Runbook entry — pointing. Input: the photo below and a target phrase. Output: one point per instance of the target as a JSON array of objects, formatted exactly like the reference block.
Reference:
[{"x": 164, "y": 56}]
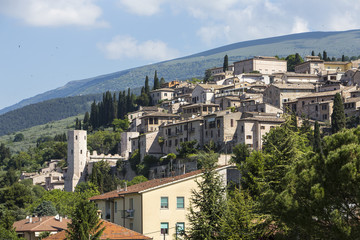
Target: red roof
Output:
[
  {"x": 144, "y": 186},
  {"x": 112, "y": 231},
  {"x": 41, "y": 224}
]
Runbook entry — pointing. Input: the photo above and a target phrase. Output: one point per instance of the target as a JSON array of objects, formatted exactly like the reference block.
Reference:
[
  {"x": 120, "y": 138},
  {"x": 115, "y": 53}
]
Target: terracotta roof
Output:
[
  {"x": 137, "y": 188},
  {"x": 199, "y": 105},
  {"x": 263, "y": 119},
  {"x": 112, "y": 231},
  {"x": 48, "y": 223}
]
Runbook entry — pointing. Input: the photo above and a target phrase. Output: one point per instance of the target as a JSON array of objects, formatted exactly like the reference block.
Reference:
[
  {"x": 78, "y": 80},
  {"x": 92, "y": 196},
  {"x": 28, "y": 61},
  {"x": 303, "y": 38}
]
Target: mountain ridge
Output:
[{"x": 336, "y": 43}]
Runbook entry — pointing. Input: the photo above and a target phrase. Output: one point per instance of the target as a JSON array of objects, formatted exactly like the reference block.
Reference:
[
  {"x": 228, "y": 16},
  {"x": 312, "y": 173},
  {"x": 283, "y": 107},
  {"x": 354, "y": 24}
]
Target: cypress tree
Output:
[
  {"x": 325, "y": 57},
  {"x": 128, "y": 102},
  {"x": 86, "y": 121},
  {"x": 226, "y": 63},
  {"x": 317, "y": 139},
  {"x": 343, "y": 58},
  {"x": 319, "y": 55},
  {"x": 93, "y": 115},
  {"x": 156, "y": 81},
  {"x": 338, "y": 121},
  {"x": 312, "y": 53},
  {"x": 147, "y": 87}
]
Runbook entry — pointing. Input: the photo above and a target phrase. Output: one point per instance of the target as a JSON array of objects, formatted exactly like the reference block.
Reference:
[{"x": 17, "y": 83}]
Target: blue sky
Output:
[{"x": 47, "y": 43}]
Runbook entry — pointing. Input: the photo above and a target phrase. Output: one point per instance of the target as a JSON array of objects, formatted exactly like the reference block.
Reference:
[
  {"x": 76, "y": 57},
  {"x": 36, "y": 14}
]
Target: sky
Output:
[{"x": 47, "y": 43}]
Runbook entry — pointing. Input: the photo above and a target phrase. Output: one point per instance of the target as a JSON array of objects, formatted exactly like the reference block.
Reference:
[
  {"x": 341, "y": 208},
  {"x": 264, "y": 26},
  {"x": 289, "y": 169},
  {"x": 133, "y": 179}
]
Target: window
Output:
[
  {"x": 131, "y": 226},
  {"x": 76, "y": 137},
  {"x": 164, "y": 228},
  {"x": 131, "y": 203},
  {"x": 80, "y": 151},
  {"x": 164, "y": 202},
  {"x": 231, "y": 122},
  {"x": 180, "y": 202},
  {"x": 248, "y": 137},
  {"x": 165, "y": 94},
  {"x": 262, "y": 127},
  {"x": 115, "y": 207},
  {"x": 180, "y": 227}
]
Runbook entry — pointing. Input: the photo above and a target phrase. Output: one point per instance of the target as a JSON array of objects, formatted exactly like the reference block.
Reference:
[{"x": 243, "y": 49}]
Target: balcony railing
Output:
[{"x": 129, "y": 213}]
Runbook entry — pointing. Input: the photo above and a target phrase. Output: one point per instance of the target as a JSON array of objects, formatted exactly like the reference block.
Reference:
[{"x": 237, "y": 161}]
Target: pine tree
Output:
[
  {"x": 207, "y": 203},
  {"x": 85, "y": 223},
  {"x": 156, "y": 81},
  {"x": 338, "y": 120},
  {"x": 226, "y": 63}
]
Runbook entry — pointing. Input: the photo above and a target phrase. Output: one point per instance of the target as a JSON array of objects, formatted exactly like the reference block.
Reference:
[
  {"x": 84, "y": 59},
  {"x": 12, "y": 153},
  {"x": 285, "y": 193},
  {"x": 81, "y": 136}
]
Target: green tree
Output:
[
  {"x": 85, "y": 223},
  {"x": 226, "y": 63},
  {"x": 19, "y": 137},
  {"x": 138, "y": 179},
  {"x": 156, "y": 81},
  {"x": 207, "y": 76},
  {"x": 207, "y": 202},
  {"x": 147, "y": 87},
  {"x": 292, "y": 61},
  {"x": 338, "y": 121},
  {"x": 162, "y": 81},
  {"x": 241, "y": 152},
  {"x": 317, "y": 138},
  {"x": 312, "y": 53},
  {"x": 325, "y": 56},
  {"x": 46, "y": 208},
  {"x": 86, "y": 121},
  {"x": 186, "y": 148},
  {"x": 239, "y": 220}
]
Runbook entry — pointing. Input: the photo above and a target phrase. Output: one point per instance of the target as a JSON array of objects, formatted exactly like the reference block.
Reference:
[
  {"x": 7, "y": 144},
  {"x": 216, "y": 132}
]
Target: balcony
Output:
[{"x": 129, "y": 213}]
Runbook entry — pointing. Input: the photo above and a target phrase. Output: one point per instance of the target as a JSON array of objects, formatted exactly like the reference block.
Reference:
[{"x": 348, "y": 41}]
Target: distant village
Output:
[{"x": 239, "y": 104}]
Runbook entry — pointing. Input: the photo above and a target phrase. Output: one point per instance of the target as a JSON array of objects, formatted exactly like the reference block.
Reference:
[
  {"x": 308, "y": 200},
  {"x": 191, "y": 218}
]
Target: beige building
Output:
[
  {"x": 198, "y": 109},
  {"x": 313, "y": 66},
  {"x": 155, "y": 208},
  {"x": 152, "y": 121},
  {"x": 252, "y": 129},
  {"x": 181, "y": 131},
  {"x": 220, "y": 128},
  {"x": 290, "y": 77},
  {"x": 276, "y": 94},
  {"x": 265, "y": 65},
  {"x": 205, "y": 93},
  {"x": 162, "y": 94}
]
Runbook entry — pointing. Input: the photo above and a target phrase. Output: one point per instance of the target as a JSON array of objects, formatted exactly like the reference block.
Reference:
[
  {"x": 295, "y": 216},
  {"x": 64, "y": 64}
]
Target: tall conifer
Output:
[{"x": 338, "y": 120}]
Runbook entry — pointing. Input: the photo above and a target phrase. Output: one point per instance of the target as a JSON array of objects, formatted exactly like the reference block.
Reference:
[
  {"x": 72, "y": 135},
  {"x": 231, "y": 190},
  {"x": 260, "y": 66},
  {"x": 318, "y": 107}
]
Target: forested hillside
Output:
[{"x": 44, "y": 112}]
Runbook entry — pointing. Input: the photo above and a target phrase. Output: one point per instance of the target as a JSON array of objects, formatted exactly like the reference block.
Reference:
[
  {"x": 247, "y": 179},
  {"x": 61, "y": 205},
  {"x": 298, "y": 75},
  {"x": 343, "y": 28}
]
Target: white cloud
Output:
[
  {"x": 229, "y": 21},
  {"x": 142, "y": 7},
  {"x": 126, "y": 47},
  {"x": 54, "y": 12},
  {"x": 300, "y": 25}
]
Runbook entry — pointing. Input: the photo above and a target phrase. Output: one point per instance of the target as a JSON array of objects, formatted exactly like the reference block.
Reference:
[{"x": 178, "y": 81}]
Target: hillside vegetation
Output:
[
  {"x": 44, "y": 112},
  {"x": 31, "y": 135},
  {"x": 335, "y": 43}
]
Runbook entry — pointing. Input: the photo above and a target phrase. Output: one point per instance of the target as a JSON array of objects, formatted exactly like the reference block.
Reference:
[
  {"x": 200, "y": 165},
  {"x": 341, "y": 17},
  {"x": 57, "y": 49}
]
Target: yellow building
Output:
[
  {"x": 337, "y": 66},
  {"x": 155, "y": 208}
]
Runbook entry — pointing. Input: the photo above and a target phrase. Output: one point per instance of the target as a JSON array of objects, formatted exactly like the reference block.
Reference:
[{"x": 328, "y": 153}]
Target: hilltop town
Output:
[{"x": 236, "y": 104}]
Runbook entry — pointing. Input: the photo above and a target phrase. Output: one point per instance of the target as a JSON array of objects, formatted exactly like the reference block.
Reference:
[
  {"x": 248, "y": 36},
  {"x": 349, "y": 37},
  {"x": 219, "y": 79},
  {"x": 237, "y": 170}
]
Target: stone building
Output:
[{"x": 264, "y": 65}]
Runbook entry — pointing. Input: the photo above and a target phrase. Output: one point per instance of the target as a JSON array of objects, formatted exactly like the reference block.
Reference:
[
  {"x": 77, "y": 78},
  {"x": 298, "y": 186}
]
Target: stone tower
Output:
[{"x": 76, "y": 159}]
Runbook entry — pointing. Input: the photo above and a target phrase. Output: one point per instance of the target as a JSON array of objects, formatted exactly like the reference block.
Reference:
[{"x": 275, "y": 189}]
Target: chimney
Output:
[
  {"x": 30, "y": 219},
  {"x": 125, "y": 186},
  {"x": 60, "y": 219}
]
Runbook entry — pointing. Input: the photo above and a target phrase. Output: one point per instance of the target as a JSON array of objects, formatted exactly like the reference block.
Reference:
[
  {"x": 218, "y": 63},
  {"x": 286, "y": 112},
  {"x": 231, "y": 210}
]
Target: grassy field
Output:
[{"x": 33, "y": 133}]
